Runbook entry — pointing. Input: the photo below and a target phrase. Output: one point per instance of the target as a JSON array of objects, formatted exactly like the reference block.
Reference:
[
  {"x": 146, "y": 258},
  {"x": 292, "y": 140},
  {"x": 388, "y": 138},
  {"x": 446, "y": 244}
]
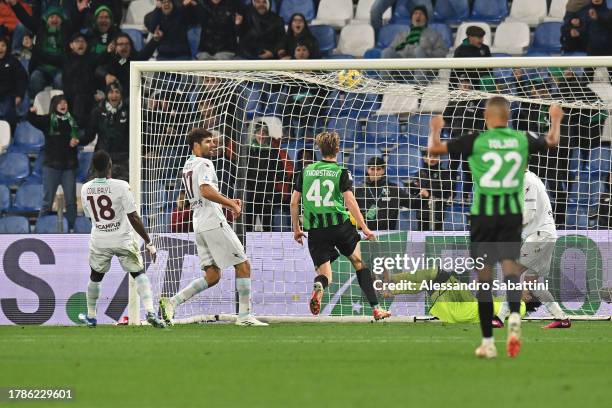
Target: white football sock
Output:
[
  {"x": 143, "y": 286},
  {"x": 555, "y": 310},
  {"x": 487, "y": 341},
  {"x": 504, "y": 311},
  {"x": 189, "y": 291},
  {"x": 243, "y": 286},
  {"x": 93, "y": 292}
]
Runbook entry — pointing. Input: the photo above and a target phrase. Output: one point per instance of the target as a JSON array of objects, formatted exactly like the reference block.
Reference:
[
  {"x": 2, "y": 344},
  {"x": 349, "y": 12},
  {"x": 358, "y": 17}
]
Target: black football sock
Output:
[
  {"x": 513, "y": 296},
  {"x": 323, "y": 280},
  {"x": 485, "y": 311},
  {"x": 364, "y": 277}
]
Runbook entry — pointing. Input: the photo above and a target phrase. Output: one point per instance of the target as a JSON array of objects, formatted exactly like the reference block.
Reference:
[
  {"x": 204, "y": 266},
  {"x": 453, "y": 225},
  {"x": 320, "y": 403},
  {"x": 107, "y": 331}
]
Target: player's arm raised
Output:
[
  {"x": 556, "y": 115},
  {"x": 139, "y": 227},
  {"x": 294, "y": 206},
  {"x": 353, "y": 207},
  {"x": 209, "y": 193},
  {"x": 435, "y": 147}
]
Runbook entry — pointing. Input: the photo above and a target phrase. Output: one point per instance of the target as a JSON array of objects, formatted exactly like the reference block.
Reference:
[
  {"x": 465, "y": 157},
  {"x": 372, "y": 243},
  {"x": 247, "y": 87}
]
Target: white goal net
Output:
[{"x": 265, "y": 116}]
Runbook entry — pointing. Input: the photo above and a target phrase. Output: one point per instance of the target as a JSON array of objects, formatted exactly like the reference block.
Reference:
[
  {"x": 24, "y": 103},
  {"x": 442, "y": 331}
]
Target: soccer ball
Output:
[{"x": 349, "y": 78}]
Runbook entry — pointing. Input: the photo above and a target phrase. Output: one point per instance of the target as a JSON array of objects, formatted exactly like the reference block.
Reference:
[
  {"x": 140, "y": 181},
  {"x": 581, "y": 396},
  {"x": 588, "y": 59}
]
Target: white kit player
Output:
[
  {"x": 217, "y": 243},
  {"x": 110, "y": 206},
  {"x": 539, "y": 237}
]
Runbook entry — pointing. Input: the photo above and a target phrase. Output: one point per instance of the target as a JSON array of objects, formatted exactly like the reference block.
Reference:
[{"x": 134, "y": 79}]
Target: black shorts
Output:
[
  {"x": 325, "y": 243},
  {"x": 495, "y": 238}
]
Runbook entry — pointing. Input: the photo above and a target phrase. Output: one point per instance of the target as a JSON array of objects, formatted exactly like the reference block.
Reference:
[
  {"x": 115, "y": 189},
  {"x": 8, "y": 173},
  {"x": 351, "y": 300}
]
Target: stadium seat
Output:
[
  {"x": 546, "y": 39},
  {"x": 136, "y": 12},
  {"x": 451, "y": 11},
  {"x": 193, "y": 38},
  {"x": 326, "y": 35},
  {"x": 281, "y": 221},
  {"x": 556, "y": 12},
  {"x": 362, "y": 13},
  {"x": 388, "y": 32},
  {"x": 14, "y": 224},
  {"x": 435, "y": 97},
  {"x": 48, "y": 224},
  {"x": 577, "y": 217},
  {"x": 418, "y": 129},
  {"x": 398, "y": 104},
  {"x": 511, "y": 38},
  {"x": 42, "y": 100},
  {"x": 82, "y": 225},
  {"x": 491, "y": 11},
  {"x": 250, "y": 100},
  {"x": 358, "y": 158},
  {"x": 36, "y": 175},
  {"x": 14, "y": 167},
  {"x": 403, "y": 9},
  {"x": 445, "y": 31},
  {"x": 347, "y": 128},
  {"x": 293, "y": 146},
  {"x": 408, "y": 221},
  {"x": 599, "y": 162},
  {"x": 136, "y": 37},
  {"x": 585, "y": 190},
  {"x": 382, "y": 129},
  {"x": 5, "y": 198},
  {"x": 5, "y": 135},
  {"x": 530, "y": 12},
  {"x": 290, "y": 7},
  {"x": 27, "y": 139},
  {"x": 460, "y": 35},
  {"x": 404, "y": 161},
  {"x": 84, "y": 163},
  {"x": 28, "y": 198},
  {"x": 455, "y": 219},
  {"x": 358, "y": 105},
  {"x": 355, "y": 39},
  {"x": 336, "y": 13}
]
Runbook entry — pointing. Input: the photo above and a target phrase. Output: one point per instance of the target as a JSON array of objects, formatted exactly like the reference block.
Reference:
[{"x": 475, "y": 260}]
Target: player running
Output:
[
  {"x": 539, "y": 238},
  {"x": 329, "y": 187},
  {"x": 110, "y": 205},
  {"x": 497, "y": 158},
  {"x": 217, "y": 243}
]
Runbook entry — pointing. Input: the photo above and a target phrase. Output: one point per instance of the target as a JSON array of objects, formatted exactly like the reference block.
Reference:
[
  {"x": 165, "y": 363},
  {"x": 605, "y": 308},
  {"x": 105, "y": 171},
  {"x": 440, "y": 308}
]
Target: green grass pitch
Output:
[{"x": 315, "y": 365}]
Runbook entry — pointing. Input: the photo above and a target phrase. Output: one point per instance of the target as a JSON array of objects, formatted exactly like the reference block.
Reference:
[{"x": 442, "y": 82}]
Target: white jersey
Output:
[
  {"x": 537, "y": 211},
  {"x": 199, "y": 171},
  {"x": 107, "y": 202}
]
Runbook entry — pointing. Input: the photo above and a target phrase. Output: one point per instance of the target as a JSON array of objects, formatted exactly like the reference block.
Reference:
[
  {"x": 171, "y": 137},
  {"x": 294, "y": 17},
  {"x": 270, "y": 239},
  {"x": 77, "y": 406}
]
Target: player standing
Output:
[
  {"x": 329, "y": 187},
  {"x": 110, "y": 205},
  {"x": 539, "y": 238},
  {"x": 497, "y": 158},
  {"x": 217, "y": 243}
]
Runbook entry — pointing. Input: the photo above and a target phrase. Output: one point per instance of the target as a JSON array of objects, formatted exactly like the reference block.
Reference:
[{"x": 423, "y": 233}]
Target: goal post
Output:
[{"x": 265, "y": 115}]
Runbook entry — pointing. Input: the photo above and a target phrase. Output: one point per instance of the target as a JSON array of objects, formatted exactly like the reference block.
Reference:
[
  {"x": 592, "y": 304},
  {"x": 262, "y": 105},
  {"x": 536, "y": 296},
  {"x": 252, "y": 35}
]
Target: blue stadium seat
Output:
[
  {"x": 289, "y": 7},
  {"x": 388, "y": 32},
  {"x": 455, "y": 219},
  {"x": 281, "y": 221},
  {"x": 383, "y": 129},
  {"x": 354, "y": 105},
  {"x": 577, "y": 217},
  {"x": 14, "y": 224},
  {"x": 36, "y": 176},
  {"x": 82, "y": 225},
  {"x": 47, "y": 224},
  {"x": 250, "y": 101},
  {"x": 28, "y": 198},
  {"x": 599, "y": 161},
  {"x": 451, "y": 11},
  {"x": 193, "y": 38},
  {"x": 403, "y": 9},
  {"x": 372, "y": 53},
  {"x": 340, "y": 56},
  {"x": 546, "y": 38},
  {"x": 5, "y": 198},
  {"x": 277, "y": 102},
  {"x": 489, "y": 11},
  {"x": 293, "y": 146},
  {"x": 418, "y": 129},
  {"x": 347, "y": 128},
  {"x": 14, "y": 167},
  {"x": 27, "y": 139},
  {"x": 84, "y": 163},
  {"x": 326, "y": 35},
  {"x": 586, "y": 190},
  {"x": 136, "y": 37},
  {"x": 445, "y": 31},
  {"x": 404, "y": 161},
  {"x": 408, "y": 221},
  {"x": 358, "y": 158}
]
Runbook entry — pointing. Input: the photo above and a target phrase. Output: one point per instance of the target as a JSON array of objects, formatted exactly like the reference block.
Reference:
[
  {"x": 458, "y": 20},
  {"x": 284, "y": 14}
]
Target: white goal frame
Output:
[{"x": 138, "y": 68}]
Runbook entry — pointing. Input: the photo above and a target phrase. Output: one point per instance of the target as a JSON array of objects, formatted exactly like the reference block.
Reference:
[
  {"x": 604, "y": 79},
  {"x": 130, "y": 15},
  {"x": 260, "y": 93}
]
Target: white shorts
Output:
[
  {"x": 219, "y": 247},
  {"x": 129, "y": 257},
  {"x": 536, "y": 253}
]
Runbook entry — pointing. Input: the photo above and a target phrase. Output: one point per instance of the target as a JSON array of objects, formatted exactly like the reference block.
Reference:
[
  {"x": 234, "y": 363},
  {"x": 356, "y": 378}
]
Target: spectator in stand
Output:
[
  {"x": 259, "y": 31},
  {"x": 10, "y": 22},
  {"x": 298, "y": 33},
  {"x": 110, "y": 122},
  {"x": 79, "y": 67},
  {"x": 418, "y": 42},
  {"x": 574, "y": 35},
  {"x": 302, "y": 51},
  {"x": 52, "y": 34},
  {"x": 377, "y": 10},
  {"x": 219, "y": 19},
  {"x": 599, "y": 23},
  {"x": 13, "y": 83},
  {"x": 172, "y": 21},
  {"x": 102, "y": 32},
  {"x": 60, "y": 163},
  {"x": 121, "y": 53},
  {"x": 379, "y": 199},
  {"x": 435, "y": 189},
  {"x": 115, "y": 7},
  {"x": 180, "y": 220},
  {"x": 472, "y": 47}
]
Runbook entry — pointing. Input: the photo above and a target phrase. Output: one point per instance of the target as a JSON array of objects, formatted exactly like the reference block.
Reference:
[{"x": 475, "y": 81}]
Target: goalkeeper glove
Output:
[{"x": 152, "y": 250}]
